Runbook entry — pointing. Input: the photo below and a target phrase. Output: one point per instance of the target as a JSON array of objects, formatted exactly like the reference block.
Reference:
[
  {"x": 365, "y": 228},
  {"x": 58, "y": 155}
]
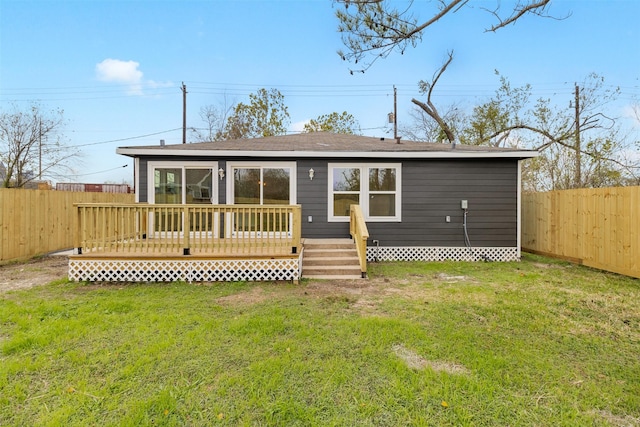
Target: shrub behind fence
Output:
[
  {"x": 597, "y": 227},
  {"x": 36, "y": 222}
]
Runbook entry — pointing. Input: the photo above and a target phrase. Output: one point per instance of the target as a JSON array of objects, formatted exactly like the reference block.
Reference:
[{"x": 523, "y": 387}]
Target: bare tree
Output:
[
  {"x": 423, "y": 127},
  {"x": 31, "y": 145},
  {"x": 215, "y": 119},
  {"x": 374, "y": 28},
  {"x": 429, "y": 108}
]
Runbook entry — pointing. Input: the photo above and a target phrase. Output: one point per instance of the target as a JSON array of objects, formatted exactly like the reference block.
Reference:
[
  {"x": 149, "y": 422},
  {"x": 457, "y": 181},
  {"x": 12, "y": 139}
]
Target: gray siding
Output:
[
  {"x": 432, "y": 189},
  {"x": 313, "y": 197},
  {"x": 143, "y": 181}
]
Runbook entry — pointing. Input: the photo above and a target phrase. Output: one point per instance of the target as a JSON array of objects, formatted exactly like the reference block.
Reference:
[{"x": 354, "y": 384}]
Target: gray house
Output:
[{"x": 420, "y": 201}]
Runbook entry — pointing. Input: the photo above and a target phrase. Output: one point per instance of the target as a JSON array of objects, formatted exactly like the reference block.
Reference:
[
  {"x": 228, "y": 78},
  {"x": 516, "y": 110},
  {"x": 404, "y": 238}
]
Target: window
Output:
[
  {"x": 264, "y": 184},
  {"x": 375, "y": 187},
  {"x": 175, "y": 183},
  {"x": 182, "y": 183},
  {"x": 167, "y": 183}
]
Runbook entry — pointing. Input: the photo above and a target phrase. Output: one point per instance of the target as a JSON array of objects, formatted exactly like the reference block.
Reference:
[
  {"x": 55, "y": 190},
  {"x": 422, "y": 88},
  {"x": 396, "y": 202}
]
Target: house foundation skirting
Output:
[
  {"x": 440, "y": 253},
  {"x": 198, "y": 270}
]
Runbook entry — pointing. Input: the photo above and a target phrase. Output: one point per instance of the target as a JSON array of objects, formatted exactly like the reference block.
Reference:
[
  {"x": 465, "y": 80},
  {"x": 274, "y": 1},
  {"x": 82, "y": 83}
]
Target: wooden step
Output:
[
  {"x": 340, "y": 270},
  {"x": 331, "y": 253},
  {"x": 330, "y": 259},
  {"x": 333, "y": 277},
  {"x": 328, "y": 244}
]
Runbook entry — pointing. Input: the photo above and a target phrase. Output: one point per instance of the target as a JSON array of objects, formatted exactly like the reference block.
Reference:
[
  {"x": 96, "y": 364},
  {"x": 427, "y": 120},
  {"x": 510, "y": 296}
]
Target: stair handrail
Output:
[{"x": 359, "y": 233}]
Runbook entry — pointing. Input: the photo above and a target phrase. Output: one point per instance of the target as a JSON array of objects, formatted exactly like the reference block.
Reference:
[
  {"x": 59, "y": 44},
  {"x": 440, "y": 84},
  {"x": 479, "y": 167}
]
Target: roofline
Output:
[{"x": 451, "y": 154}]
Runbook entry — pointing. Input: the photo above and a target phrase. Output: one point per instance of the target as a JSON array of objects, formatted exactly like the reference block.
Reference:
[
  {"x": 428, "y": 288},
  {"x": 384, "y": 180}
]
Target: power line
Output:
[
  {"x": 95, "y": 173},
  {"x": 49, "y": 94},
  {"x": 129, "y": 138}
]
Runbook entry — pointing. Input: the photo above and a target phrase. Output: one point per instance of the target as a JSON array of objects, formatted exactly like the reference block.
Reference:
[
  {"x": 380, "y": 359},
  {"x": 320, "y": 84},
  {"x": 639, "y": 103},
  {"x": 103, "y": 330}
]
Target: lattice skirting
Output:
[
  {"x": 437, "y": 253},
  {"x": 184, "y": 270}
]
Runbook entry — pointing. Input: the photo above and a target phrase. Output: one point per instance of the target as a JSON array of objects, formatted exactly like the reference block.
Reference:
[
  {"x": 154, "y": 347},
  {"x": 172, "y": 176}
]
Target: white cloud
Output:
[
  {"x": 298, "y": 126},
  {"x": 117, "y": 71}
]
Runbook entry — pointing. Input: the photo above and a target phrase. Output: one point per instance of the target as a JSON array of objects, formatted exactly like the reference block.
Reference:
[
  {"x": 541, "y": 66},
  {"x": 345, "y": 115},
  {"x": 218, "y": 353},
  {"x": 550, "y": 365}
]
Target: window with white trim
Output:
[
  {"x": 261, "y": 183},
  {"x": 375, "y": 187},
  {"x": 264, "y": 183},
  {"x": 180, "y": 183}
]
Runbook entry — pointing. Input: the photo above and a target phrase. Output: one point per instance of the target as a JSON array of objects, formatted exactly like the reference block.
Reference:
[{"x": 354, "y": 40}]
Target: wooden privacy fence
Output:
[
  {"x": 597, "y": 227},
  {"x": 140, "y": 230},
  {"x": 36, "y": 222}
]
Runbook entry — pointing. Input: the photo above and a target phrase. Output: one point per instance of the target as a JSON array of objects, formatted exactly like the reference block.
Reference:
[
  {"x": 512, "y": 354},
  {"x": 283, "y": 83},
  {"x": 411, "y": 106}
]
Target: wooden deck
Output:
[
  {"x": 131, "y": 243},
  {"x": 197, "y": 248}
]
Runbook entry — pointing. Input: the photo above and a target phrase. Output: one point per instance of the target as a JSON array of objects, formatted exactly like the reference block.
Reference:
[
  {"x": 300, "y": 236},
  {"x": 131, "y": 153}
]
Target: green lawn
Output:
[{"x": 539, "y": 343}]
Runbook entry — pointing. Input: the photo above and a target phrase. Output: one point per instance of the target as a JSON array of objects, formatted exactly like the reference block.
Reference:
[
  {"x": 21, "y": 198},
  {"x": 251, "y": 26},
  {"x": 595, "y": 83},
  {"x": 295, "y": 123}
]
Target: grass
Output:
[{"x": 539, "y": 342}]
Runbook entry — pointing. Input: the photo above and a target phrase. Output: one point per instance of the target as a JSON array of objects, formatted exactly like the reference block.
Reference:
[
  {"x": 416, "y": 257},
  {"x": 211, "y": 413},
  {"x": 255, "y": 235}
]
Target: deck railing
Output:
[
  {"x": 360, "y": 234},
  {"x": 220, "y": 230}
]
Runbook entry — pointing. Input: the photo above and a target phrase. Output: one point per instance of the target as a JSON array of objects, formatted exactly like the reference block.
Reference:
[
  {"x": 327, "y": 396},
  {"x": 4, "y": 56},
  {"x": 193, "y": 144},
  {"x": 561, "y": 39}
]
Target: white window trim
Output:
[
  {"x": 292, "y": 183},
  {"x": 153, "y": 165},
  {"x": 364, "y": 191}
]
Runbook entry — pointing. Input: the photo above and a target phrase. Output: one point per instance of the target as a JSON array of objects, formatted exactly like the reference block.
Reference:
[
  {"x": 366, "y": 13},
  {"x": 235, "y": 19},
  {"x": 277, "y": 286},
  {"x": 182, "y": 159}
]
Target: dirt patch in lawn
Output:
[
  {"x": 365, "y": 294},
  {"x": 35, "y": 272},
  {"x": 253, "y": 296},
  {"x": 417, "y": 362}
]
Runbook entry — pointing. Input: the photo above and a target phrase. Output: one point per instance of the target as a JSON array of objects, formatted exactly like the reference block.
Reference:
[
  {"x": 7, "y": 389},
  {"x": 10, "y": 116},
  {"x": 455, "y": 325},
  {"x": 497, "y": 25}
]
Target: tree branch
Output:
[
  {"x": 536, "y": 8},
  {"x": 430, "y": 108},
  {"x": 560, "y": 141},
  {"x": 376, "y": 27}
]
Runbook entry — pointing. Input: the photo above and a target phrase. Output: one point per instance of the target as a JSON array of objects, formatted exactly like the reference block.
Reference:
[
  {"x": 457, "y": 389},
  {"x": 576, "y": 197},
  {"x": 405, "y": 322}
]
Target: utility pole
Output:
[
  {"x": 395, "y": 115},
  {"x": 184, "y": 113},
  {"x": 578, "y": 177}
]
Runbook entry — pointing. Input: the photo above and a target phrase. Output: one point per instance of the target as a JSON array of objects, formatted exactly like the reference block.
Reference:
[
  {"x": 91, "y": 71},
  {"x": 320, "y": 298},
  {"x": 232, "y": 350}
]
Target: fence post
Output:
[
  {"x": 78, "y": 228},
  {"x": 296, "y": 229},
  {"x": 186, "y": 231}
]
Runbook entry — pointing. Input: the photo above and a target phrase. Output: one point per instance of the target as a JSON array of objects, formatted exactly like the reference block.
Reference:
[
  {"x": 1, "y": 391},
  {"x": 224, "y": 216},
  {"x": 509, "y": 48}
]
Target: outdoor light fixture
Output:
[
  {"x": 221, "y": 173},
  {"x": 311, "y": 174}
]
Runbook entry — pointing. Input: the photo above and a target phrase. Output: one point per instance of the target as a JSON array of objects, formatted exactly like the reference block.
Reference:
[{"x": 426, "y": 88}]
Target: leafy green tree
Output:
[
  {"x": 490, "y": 122},
  {"x": 31, "y": 145},
  {"x": 264, "y": 115},
  {"x": 511, "y": 119},
  {"x": 337, "y": 123}
]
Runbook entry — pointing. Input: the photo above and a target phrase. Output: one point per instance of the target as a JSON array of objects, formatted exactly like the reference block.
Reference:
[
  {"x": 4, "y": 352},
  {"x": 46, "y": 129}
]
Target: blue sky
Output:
[{"x": 116, "y": 67}]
